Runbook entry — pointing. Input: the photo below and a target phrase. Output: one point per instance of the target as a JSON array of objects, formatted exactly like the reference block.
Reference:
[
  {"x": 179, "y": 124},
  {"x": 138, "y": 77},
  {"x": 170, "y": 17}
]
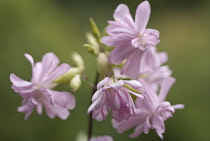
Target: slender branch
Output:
[{"x": 90, "y": 123}]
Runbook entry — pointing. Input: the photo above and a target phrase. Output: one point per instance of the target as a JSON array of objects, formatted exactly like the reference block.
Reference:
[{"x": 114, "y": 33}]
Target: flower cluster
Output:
[
  {"x": 134, "y": 86},
  {"x": 137, "y": 91}
]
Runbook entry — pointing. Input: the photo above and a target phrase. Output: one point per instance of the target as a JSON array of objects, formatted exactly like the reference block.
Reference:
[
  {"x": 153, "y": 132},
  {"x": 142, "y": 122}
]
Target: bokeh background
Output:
[{"x": 59, "y": 26}]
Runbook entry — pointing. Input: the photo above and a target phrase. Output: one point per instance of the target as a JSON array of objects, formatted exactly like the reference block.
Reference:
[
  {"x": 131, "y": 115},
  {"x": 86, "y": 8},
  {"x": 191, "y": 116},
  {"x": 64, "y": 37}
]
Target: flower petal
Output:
[
  {"x": 133, "y": 83},
  {"x": 142, "y": 16},
  {"x": 122, "y": 15},
  {"x": 18, "y": 82},
  {"x": 119, "y": 54},
  {"x": 103, "y": 82},
  {"x": 165, "y": 87}
]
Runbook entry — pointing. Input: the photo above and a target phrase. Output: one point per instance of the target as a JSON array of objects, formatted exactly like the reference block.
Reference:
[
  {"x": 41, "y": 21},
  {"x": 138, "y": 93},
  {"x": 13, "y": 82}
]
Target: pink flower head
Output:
[
  {"x": 131, "y": 39},
  {"x": 102, "y": 138},
  {"x": 152, "y": 111},
  {"x": 114, "y": 96},
  {"x": 37, "y": 93}
]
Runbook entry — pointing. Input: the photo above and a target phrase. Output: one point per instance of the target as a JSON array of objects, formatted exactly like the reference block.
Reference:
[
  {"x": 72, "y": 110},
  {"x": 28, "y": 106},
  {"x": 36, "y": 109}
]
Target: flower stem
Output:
[{"x": 90, "y": 122}]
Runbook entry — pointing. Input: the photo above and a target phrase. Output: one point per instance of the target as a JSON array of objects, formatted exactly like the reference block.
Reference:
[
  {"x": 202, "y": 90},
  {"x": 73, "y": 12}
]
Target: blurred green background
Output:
[{"x": 59, "y": 26}]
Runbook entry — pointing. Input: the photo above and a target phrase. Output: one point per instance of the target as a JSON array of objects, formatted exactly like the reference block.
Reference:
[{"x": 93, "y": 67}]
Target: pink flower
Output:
[
  {"x": 155, "y": 76},
  {"x": 38, "y": 92},
  {"x": 115, "y": 96},
  {"x": 102, "y": 138},
  {"x": 131, "y": 39},
  {"x": 152, "y": 111}
]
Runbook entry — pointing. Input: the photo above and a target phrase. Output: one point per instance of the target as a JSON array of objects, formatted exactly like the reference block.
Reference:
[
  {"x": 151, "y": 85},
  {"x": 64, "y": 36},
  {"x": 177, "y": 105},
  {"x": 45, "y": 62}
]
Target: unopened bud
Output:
[
  {"x": 95, "y": 29},
  {"x": 78, "y": 60},
  {"x": 75, "y": 82},
  {"x": 104, "y": 68},
  {"x": 66, "y": 77},
  {"x": 92, "y": 46}
]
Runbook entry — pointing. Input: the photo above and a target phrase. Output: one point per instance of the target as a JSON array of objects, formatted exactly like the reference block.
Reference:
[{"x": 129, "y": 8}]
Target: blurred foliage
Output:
[{"x": 59, "y": 26}]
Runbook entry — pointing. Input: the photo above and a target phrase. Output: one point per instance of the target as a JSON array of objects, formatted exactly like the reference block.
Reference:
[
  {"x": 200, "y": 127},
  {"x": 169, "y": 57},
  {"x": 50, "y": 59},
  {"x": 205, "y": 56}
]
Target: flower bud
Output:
[
  {"x": 78, "y": 60},
  {"x": 65, "y": 78},
  {"x": 103, "y": 67},
  {"x": 92, "y": 46},
  {"x": 75, "y": 82},
  {"x": 95, "y": 30}
]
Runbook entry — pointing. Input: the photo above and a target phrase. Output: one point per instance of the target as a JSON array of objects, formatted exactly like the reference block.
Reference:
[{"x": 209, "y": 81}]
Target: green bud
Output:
[
  {"x": 65, "y": 78},
  {"x": 78, "y": 60},
  {"x": 95, "y": 30},
  {"x": 75, "y": 82},
  {"x": 92, "y": 46},
  {"x": 103, "y": 67}
]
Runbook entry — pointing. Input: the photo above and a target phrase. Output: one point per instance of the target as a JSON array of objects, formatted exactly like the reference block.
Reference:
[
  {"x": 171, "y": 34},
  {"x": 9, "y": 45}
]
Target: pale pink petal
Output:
[
  {"x": 132, "y": 64},
  {"x": 30, "y": 59},
  {"x": 158, "y": 125},
  {"x": 133, "y": 83},
  {"x": 55, "y": 74},
  {"x": 49, "y": 63},
  {"x": 97, "y": 94},
  {"x": 39, "y": 108},
  {"x": 117, "y": 85},
  {"x": 165, "y": 87},
  {"x": 117, "y": 40},
  {"x": 103, "y": 82},
  {"x": 61, "y": 112},
  {"x": 178, "y": 106},
  {"x": 137, "y": 131},
  {"x": 122, "y": 15},
  {"x": 18, "y": 82},
  {"x": 95, "y": 105},
  {"x": 119, "y": 54},
  {"x": 113, "y": 100},
  {"x": 142, "y": 16}
]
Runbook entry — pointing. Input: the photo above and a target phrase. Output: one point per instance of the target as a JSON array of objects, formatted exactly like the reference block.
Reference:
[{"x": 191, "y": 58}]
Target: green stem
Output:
[{"x": 90, "y": 123}]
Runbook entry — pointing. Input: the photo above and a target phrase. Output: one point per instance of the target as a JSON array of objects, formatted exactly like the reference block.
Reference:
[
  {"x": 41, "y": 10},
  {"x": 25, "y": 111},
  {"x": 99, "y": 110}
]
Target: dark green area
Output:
[{"x": 59, "y": 26}]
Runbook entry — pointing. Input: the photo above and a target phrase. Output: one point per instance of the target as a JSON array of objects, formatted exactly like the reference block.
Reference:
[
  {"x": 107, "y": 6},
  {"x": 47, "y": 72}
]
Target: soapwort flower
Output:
[
  {"x": 152, "y": 111},
  {"x": 38, "y": 92},
  {"x": 131, "y": 39},
  {"x": 114, "y": 96}
]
